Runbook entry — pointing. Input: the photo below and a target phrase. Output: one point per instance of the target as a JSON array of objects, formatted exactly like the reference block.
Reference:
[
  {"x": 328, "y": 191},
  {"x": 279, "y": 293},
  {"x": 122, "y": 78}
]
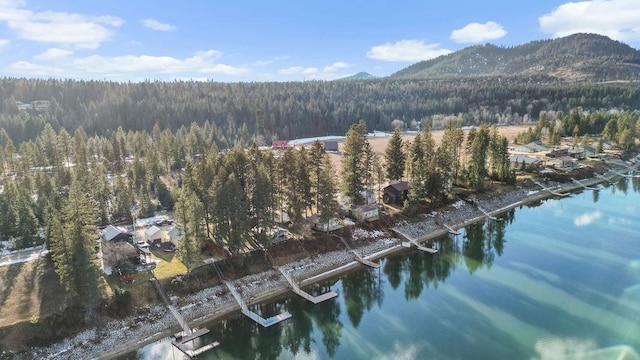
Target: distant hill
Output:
[
  {"x": 359, "y": 76},
  {"x": 578, "y": 57}
]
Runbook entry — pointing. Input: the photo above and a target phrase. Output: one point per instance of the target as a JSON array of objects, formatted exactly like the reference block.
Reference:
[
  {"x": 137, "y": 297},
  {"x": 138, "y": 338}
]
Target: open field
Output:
[
  {"x": 28, "y": 291},
  {"x": 380, "y": 144}
]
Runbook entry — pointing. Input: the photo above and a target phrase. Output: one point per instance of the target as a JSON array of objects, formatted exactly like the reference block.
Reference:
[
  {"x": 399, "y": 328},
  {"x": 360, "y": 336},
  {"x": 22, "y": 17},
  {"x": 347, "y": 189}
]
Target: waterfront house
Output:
[
  {"x": 517, "y": 160},
  {"x": 369, "y": 212},
  {"x": 563, "y": 162},
  {"x": 396, "y": 192}
]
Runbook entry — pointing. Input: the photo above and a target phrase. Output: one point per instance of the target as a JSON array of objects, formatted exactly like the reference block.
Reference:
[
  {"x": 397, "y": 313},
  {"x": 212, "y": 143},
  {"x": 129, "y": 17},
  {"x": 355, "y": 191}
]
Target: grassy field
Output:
[{"x": 29, "y": 291}]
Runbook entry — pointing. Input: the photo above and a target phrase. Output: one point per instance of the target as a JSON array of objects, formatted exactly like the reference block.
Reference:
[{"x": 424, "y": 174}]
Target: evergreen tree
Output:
[
  {"x": 395, "y": 157},
  {"x": 189, "y": 215},
  {"x": 353, "y": 163},
  {"x": 72, "y": 237},
  {"x": 316, "y": 157},
  {"x": 327, "y": 205}
]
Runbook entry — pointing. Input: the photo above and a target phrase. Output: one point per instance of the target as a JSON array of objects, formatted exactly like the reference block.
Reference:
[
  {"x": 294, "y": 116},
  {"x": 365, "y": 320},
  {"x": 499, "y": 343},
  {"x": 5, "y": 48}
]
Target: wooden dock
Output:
[
  {"x": 296, "y": 289},
  {"x": 451, "y": 230},
  {"x": 489, "y": 216},
  {"x": 253, "y": 316},
  {"x": 187, "y": 333},
  {"x": 605, "y": 179},
  {"x": 359, "y": 258},
  {"x": 412, "y": 241},
  {"x": 583, "y": 185},
  {"x": 544, "y": 188}
]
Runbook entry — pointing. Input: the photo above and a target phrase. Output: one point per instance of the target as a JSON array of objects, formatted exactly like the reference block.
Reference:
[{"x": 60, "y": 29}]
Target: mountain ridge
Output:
[
  {"x": 577, "y": 57},
  {"x": 363, "y": 75}
]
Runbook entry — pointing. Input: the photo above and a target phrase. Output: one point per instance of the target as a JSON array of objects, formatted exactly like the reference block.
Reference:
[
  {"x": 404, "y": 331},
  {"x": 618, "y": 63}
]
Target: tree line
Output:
[{"x": 266, "y": 111}]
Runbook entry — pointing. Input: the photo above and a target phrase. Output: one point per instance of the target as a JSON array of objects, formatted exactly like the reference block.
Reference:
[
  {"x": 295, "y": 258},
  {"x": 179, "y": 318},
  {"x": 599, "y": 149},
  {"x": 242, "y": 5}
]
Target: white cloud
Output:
[
  {"x": 158, "y": 26},
  {"x": 587, "y": 219},
  {"x": 406, "y": 50},
  {"x": 78, "y": 30},
  {"x": 476, "y": 32},
  {"x": 618, "y": 19},
  {"x": 4, "y": 42},
  {"x": 293, "y": 70},
  {"x": 335, "y": 67},
  {"x": 127, "y": 66},
  {"x": 52, "y": 54}
]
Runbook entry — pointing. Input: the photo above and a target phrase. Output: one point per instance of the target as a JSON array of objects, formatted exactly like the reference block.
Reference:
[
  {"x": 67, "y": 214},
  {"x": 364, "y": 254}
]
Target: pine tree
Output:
[
  {"x": 327, "y": 205},
  {"x": 316, "y": 157},
  {"x": 353, "y": 163},
  {"x": 395, "y": 157},
  {"x": 72, "y": 239},
  {"x": 189, "y": 214}
]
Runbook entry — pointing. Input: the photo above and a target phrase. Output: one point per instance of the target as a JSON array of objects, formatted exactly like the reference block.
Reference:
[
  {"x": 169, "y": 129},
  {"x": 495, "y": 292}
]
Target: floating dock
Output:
[
  {"x": 544, "y": 188},
  {"x": 253, "y": 316},
  {"x": 296, "y": 289},
  {"x": 187, "y": 334}
]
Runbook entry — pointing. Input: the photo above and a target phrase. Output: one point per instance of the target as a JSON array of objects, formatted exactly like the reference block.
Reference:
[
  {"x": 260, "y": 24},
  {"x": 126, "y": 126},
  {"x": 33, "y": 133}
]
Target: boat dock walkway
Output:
[
  {"x": 544, "y": 188},
  {"x": 359, "y": 258},
  {"x": 451, "y": 230},
  {"x": 605, "y": 178},
  {"x": 188, "y": 334},
  {"x": 583, "y": 185},
  {"x": 183, "y": 324},
  {"x": 304, "y": 294},
  {"x": 490, "y": 217},
  {"x": 253, "y": 316},
  {"x": 412, "y": 241}
]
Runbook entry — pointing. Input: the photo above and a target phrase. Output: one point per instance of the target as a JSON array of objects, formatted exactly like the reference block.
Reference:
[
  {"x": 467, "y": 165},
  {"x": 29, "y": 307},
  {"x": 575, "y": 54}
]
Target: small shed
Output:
[
  {"x": 369, "y": 212},
  {"x": 331, "y": 146},
  {"x": 153, "y": 234},
  {"x": 395, "y": 193},
  {"x": 112, "y": 233}
]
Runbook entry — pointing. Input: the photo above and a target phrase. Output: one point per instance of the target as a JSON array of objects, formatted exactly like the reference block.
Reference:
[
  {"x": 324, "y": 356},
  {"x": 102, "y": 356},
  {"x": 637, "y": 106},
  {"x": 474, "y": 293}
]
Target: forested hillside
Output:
[
  {"x": 235, "y": 111},
  {"x": 578, "y": 57}
]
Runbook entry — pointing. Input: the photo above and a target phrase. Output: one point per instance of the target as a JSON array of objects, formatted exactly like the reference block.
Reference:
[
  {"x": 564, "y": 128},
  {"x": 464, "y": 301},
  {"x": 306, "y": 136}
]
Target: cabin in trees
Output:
[
  {"x": 318, "y": 225},
  {"x": 369, "y": 212},
  {"x": 396, "y": 192},
  {"x": 112, "y": 233}
]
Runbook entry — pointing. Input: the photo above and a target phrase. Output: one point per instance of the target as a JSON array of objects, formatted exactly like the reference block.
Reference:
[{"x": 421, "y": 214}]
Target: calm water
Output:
[{"x": 560, "y": 276}]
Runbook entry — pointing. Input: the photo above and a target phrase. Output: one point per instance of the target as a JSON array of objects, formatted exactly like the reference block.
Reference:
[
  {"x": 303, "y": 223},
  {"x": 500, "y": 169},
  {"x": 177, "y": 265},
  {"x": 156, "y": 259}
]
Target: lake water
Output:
[{"x": 560, "y": 277}]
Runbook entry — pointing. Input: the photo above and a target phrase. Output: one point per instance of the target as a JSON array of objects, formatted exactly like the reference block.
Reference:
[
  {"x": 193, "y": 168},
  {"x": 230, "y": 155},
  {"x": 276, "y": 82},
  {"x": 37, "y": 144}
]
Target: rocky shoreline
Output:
[{"x": 119, "y": 337}]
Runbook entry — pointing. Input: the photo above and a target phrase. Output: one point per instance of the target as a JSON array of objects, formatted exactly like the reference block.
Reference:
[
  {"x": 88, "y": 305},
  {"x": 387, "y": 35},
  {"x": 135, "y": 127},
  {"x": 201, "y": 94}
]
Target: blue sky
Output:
[{"x": 275, "y": 40}]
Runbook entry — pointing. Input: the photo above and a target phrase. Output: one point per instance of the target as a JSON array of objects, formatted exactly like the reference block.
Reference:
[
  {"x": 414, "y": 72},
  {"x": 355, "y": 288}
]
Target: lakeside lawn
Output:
[{"x": 168, "y": 265}]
